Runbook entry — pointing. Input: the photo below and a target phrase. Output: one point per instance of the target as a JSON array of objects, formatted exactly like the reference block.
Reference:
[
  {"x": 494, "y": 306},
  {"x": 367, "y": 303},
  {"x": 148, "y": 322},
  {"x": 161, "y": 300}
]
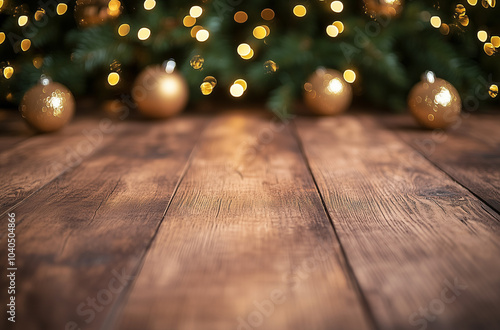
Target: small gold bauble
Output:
[
  {"x": 434, "y": 102},
  {"x": 327, "y": 93},
  {"x": 388, "y": 8},
  {"x": 47, "y": 106},
  {"x": 159, "y": 94},
  {"x": 94, "y": 12}
]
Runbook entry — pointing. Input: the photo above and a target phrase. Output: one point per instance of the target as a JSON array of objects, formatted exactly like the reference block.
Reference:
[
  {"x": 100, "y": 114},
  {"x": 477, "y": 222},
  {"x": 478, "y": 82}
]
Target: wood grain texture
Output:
[
  {"x": 84, "y": 233},
  {"x": 31, "y": 164},
  {"x": 245, "y": 225},
  {"x": 12, "y": 129},
  {"x": 406, "y": 227},
  {"x": 469, "y": 152}
]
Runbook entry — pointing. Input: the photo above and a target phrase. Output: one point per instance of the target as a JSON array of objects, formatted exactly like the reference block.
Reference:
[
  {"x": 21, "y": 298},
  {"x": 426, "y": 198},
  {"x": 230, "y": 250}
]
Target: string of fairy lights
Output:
[{"x": 490, "y": 42}]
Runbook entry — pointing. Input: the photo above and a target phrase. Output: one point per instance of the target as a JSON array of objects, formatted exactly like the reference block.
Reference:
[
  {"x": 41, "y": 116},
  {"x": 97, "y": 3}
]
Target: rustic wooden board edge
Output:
[
  {"x": 111, "y": 320},
  {"x": 492, "y": 208},
  {"x": 119, "y": 319},
  {"x": 197, "y": 124},
  {"x": 367, "y": 309},
  {"x": 79, "y": 126},
  {"x": 483, "y": 223},
  {"x": 463, "y": 130}
]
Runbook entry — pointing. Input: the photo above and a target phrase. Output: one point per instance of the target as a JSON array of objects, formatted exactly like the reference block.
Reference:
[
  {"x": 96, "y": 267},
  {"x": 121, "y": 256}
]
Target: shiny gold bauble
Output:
[
  {"x": 435, "y": 103},
  {"x": 388, "y": 8},
  {"x": 327, "y": 93},
  {"x": 94, "y": 12},
  {"x": 47, "y": 106},
  {"x": 159, "y": 94}
]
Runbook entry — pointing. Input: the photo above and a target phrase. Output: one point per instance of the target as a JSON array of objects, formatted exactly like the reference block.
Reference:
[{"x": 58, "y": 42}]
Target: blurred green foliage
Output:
[{"x": 388, "y": 54}]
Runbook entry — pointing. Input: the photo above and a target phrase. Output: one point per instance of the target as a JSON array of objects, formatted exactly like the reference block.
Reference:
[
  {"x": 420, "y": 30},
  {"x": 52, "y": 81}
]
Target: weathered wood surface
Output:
[
  {"x": 12, "y": 130},
  {"x": 325, "y": 223},
  {"x": 30, "y": 164},
  {"x": 246, "y": 226},
  {"x": 84, "y": 233},
  {"x": 469, "y": 152},
  {"x": 406, "y": 227}
]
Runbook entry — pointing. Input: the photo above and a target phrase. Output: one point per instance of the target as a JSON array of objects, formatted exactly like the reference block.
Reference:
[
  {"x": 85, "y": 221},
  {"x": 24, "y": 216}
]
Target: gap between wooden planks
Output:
[
  {"x": 393, "y": 245},
  {"x": 29, "y": 165},
  {"x": 245, "y": 242},
  {"x": 83, "y": 233},
  {"x": 406, "y": 227},
  {"x": 469, "y": 151}
]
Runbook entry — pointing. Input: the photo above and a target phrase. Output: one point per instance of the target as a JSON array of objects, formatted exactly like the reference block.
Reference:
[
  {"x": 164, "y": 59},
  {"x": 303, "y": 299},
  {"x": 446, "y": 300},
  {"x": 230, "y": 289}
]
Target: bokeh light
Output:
[
  {"x": 114, "y": 8},
  {"x": 267, "y": 14},
  {"x": 436, "y": 21},
  {"x": 482, "y": 35},
  {"x": 244, "y": 49},
  {"x": 8, "y": 71},
  {"x": 242, "y": 83},
  {"x": 195, "y": 30},
  {"x": 495, "y": 41},
  {"x": 236, "y": 90},
  {"x": 349, "y": 76},
  {"x": 123, "y": 30},
  {"x": 208, "y": 85},
  {"x": 339, "y": 25},
  {"x": 202, "y": 35},
  {"x": 259, "y": 32},
  {"x": 197, "y": 62},
  {"x": 25, "y": 44},
  {"x": 22, "y": 20},
  {"x": 489, "y": 49},
  {"x": 149, "y": 4},
  {"x": 113, "y": 78},
  {"x": 270, "y": 66},
  {"x": 38, "y": 62},
  {"x": 144, "y": 33},
  {"x": 493, "y": 91},
  {"x": 240, "y": 17},
  {"x": 206, "y": 88},
  {"x": 332, "y": 31},
  {"x": 195, "y": 11},
  {"x": 189, "y": 21},
  {"x": 249, "y": 55},
  {"x": 299, "y": 11},
  {"x": 39, "y": 14},
  {"x": 337, "y": 6},
  {"x": 61, "y": 8}
]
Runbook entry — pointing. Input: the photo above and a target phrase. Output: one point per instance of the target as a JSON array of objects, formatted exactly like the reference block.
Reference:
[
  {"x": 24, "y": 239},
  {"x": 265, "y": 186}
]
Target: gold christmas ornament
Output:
[
  {"x": 95, "y": 12},
  {"x": 434, "y": 102},
  {"x": 160, "y": 94},
  {"x": 47, "y": 106},
  {"x": 388, "y": 8},
  {"x": 327, "y": 93}
]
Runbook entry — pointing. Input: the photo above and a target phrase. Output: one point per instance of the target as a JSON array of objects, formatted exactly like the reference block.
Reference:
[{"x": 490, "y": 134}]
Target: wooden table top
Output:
[{"x": 240, "y": 221}]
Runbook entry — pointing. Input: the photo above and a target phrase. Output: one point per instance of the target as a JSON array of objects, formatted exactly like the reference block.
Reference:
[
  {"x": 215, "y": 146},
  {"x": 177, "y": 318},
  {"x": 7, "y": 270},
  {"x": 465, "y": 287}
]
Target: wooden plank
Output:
[
  {"x": 12, "y": 129},
  {"x": 84, "y": 233},
  {"x": 408, "y": 230},
  {"x": 469, "y": 153},
  {"x": 31, "y": 164},
  {"x": 246, "y": 228},
  {"x": 483, "y": 127}
]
